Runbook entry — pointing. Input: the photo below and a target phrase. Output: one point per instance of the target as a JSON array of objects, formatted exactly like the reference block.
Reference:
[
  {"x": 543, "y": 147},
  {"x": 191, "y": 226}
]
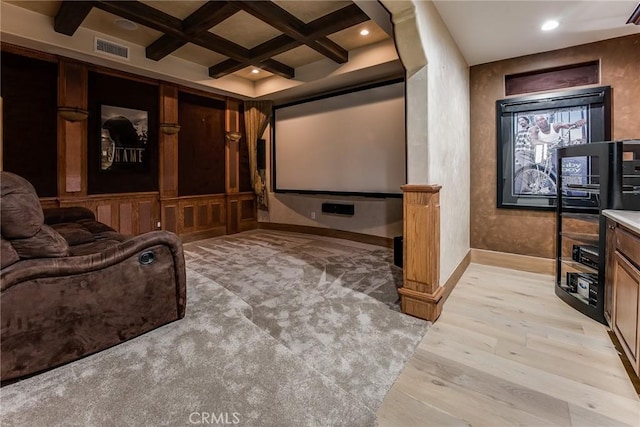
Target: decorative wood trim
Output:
[
  {"x": 202, "y": 93},
  {"x": 420, "y": 293},
  {"x": 421, "y": 243},
  {"x": 168, "y": 162},
  {"x": 122, "y": 74},
  {"x": 420, "y": 188},
  {"x": 72, "y": 137},
  {"x": 232, "y": 115},
  {"x": 25, "y": 51},
  {"x": 232, "y": 146},
  {"x": 386, "y": 242},
  {"x": 232, "y": 162},
  {"x": 514, "y": 261}
]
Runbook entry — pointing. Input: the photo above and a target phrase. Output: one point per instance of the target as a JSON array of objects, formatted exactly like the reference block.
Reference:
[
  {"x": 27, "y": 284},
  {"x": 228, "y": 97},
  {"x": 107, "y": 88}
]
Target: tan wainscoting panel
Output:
[
  {"x": 241, "y": 212},
  {"x": 128, "y": 213},
  {"x": 170, "y": 216},
  {"x": 195, "y": 217},
  {"x": 126, "y": 218}
]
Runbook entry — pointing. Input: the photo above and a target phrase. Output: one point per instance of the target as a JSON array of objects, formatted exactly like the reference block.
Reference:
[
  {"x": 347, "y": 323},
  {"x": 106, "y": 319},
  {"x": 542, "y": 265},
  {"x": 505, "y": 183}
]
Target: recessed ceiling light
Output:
[
  {"x": 364, "y": 32},
  {"x": 125, "y": 24},
  {"x": 255, "y": 71},
  {"x": 549, "y": 25}
]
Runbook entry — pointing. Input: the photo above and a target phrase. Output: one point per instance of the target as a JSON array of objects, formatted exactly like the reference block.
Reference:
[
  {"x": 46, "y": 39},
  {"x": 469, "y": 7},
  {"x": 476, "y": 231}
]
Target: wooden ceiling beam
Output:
[
  {"x": 231, "y": 66},
  {"x": 206, "y": 17},
  {"x": 337, "y": 21},
  {"x": 70, "y": 16},
  {"x": 225, "y": 67},
  {"x": 277, "y": 68},
  {"x": 194, "y": 29},
  {"x": 172, "y": 27},
  {"x": 282, "y": 20},
  {"x": 273, "y": 47}
]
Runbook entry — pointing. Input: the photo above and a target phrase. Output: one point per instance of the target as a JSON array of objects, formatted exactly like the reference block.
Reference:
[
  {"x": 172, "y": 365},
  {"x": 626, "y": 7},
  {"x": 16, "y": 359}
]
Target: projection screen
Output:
[{"x": 351, "y": 143}]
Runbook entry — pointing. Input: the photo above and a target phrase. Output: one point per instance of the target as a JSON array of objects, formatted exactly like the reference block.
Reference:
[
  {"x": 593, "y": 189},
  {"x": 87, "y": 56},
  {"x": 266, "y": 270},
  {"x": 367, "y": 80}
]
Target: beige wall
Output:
[
  {"x": 529, "y": 232},
  {"x": 448, "y": 158},
  {"x": 437, "y": 119}
]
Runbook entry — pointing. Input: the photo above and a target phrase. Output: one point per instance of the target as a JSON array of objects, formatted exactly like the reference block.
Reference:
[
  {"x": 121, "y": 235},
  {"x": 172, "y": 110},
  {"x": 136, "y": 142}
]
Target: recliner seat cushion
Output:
[
  {"x": 73, "y": 233},
  {"x": 94, "y": 227},
  {"x": 46, "y": 243}
]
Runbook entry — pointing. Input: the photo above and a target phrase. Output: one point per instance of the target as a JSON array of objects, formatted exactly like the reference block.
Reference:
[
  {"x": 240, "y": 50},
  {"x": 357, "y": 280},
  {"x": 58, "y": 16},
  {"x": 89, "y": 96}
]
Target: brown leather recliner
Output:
[{"x": 72, "y": 286}]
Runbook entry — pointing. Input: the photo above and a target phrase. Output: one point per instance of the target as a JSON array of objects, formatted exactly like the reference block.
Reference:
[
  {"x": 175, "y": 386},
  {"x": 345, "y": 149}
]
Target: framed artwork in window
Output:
[{"x": 529, "y": 131}]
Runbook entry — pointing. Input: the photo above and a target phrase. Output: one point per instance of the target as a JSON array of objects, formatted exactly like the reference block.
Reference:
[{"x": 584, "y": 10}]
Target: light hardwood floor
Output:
[{"x": 505, "y": 352}]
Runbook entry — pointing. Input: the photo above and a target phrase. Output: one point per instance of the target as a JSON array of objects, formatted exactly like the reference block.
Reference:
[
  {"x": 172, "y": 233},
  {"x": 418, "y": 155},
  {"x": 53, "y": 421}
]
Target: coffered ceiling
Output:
[
  {"x": 289, "y": 49},
  {"x": 230, "y": 42}
]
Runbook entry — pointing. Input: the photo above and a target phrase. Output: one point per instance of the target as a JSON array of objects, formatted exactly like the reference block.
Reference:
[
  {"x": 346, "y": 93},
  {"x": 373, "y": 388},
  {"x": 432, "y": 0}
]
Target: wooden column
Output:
[
  {"x": 72, "y": 136},
  {"x": 232, "y": 164},
  {"x": 168, "y": 183},
  {"x": 421, "y": 294}
]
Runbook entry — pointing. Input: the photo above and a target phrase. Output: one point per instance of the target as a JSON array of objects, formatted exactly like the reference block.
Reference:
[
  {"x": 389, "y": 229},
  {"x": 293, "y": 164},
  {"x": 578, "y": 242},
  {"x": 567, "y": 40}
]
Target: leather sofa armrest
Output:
[
  {"x": 69, "y": 214},
  {"x": 72, "y": 265}
]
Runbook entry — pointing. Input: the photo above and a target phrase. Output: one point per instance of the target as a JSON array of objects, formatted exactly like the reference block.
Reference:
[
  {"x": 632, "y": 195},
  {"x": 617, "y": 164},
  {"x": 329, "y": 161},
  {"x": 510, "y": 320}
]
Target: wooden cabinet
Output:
[{"x": 625, "y": 291}]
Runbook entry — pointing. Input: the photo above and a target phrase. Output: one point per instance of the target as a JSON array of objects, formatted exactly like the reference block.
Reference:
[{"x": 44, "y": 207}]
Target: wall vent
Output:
[{"x": 111, "y": 48}]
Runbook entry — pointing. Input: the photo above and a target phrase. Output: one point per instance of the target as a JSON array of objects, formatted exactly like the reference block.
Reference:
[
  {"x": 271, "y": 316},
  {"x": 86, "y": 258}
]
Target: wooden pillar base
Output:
[
  {"x": 422, "y": 305},
  {"x": 421, "y": 294}
]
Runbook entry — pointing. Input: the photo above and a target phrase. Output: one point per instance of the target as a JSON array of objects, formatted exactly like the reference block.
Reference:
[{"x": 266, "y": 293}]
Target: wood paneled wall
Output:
[
  {"x": 129, "y": 213},
  {"x": 528, "y": 232},
  {"x": 191, "y": 217}
]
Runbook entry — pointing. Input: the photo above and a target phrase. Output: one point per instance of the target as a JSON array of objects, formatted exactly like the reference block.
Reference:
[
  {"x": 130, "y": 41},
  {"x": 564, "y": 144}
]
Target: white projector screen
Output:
[{"x": 352, "y": 143}]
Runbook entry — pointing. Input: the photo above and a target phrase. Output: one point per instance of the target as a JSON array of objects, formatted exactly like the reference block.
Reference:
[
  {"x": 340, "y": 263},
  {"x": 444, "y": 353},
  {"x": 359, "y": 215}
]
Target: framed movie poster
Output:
[
  {"x": 123, "y": 139},
  {"x": 529, "y": 131}
]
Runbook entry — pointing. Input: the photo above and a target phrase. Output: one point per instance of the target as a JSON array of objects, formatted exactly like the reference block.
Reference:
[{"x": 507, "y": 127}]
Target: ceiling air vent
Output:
[{"x": 111, "y": 48}]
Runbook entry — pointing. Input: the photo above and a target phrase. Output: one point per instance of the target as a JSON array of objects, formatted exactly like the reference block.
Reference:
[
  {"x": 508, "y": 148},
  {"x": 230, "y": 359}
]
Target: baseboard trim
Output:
[
  {"x": 528, "y": 263},
  {"x": 429, "y": 306},
  {"x": 453, "y": 280},
  {"x": 386, "y": 242}
]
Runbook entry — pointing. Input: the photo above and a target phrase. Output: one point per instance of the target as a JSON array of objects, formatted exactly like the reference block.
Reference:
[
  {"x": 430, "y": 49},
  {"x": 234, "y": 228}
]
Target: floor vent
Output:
[{"x": 111, "y": 48}]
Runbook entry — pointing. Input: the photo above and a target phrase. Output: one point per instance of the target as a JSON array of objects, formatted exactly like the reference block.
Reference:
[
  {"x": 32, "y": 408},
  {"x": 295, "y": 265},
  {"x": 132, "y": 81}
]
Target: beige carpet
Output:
[{"x": 282, "y": 329}]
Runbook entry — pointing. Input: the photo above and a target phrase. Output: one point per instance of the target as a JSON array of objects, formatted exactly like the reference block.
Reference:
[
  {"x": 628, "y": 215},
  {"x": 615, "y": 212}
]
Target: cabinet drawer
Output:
[{"x": 628, "y": 245}]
